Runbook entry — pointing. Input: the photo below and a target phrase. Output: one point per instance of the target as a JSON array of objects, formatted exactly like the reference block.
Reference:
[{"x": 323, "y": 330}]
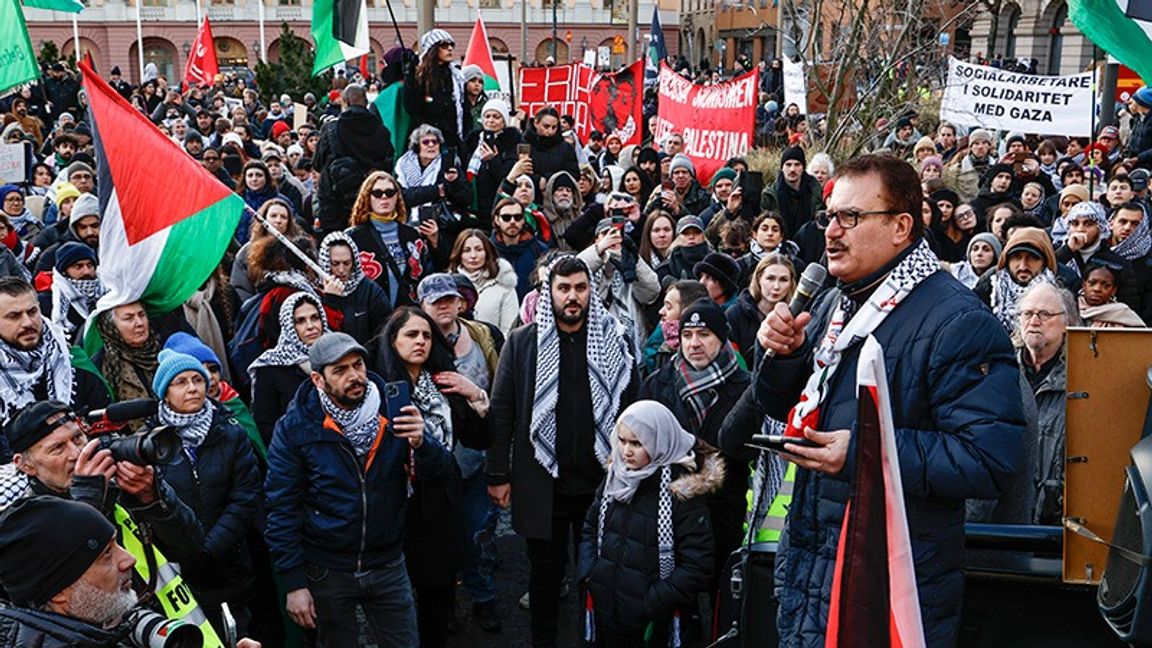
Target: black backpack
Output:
[{"x": 340, "y": 183}]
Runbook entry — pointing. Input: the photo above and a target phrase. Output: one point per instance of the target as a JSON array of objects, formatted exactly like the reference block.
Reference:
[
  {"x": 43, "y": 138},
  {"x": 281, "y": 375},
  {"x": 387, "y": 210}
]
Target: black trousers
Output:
[{"x": 547, "y": 560}]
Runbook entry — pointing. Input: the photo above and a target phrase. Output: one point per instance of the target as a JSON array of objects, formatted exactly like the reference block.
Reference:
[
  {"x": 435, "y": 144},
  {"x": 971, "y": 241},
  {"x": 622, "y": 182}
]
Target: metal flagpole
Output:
[
  {"x": 198, "y": 18},
  {"x": 139, "y": 41},
  {"x": 263, "y": 43},
  {"x": 76, "y": 40}
]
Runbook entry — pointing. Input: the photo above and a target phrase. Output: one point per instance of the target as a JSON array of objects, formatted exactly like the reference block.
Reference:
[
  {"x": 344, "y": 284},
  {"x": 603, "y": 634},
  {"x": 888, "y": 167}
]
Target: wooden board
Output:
[{"x": 1109, "y": 366}]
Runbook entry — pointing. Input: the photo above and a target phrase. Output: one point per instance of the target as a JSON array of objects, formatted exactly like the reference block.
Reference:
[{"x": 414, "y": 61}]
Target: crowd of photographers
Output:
[{"x": 471, "y": 312}]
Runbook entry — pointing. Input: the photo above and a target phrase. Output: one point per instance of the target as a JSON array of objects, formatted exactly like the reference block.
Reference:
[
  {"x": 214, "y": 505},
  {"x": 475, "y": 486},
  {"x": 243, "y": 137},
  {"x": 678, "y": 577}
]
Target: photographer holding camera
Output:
[{"x": 74, "y": 589}]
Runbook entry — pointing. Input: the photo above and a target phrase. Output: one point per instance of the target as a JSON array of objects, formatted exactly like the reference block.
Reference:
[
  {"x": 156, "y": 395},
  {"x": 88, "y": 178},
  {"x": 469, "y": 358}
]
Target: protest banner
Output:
[
  {"x": 716, "y": 121},
  {"x": 609, "y": 103},
  {"x": 978, "y": 95},
  {"x": 12, "y": 163},
  {"x": 795, "y": 86}
]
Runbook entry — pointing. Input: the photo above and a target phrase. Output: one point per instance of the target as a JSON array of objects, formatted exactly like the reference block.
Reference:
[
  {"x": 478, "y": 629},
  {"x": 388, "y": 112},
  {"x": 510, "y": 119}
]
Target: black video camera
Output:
[{"x": 146, "y": 448}]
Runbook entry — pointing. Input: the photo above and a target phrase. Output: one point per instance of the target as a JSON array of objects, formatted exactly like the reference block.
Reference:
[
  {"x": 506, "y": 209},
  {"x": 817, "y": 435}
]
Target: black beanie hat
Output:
[
  {"x": 73, "y": 252},
  {"x": 564, "y": 179},
  {"x": 945, "y": 194},
  {"x": 46, "y": 544},
  {"x": 647, "y": 155},
  {"x": 722, "y": 268},
  {"x": 31, "y": 424},
  {"x": 997, "y": 169},
  {"x": 793, "y": 153},
  {"x": 705, "y": 314}
]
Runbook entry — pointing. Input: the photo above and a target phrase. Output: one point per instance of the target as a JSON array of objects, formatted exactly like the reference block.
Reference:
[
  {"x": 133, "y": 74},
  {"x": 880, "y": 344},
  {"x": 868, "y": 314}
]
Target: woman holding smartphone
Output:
[{"x": 414, "y": 353}]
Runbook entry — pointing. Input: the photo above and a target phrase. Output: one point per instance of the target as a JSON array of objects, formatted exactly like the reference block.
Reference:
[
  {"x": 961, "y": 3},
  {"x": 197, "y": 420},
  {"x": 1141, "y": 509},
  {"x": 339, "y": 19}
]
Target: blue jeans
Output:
[
  {"x": 480, "y": 528},
  {"x": 384, "y": 594}
]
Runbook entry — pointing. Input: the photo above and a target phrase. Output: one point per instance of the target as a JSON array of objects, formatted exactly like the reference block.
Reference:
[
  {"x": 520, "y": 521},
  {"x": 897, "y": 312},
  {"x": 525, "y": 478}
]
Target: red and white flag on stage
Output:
[
  {"x": 874, "y": 598},
  {"x": 202, "y": 67}
]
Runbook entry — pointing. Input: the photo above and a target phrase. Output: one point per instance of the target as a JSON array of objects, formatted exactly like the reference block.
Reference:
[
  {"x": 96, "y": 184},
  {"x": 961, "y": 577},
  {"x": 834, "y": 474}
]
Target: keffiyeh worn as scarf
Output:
[
  {"x": 20, "y": 371},
  {"x": 124, "y": 364},
  {"x": 698, "y": 387},
  {"x": 361, "y": 425},
  {"x": 292, "y": 279},
  {"x": 325, "y": 259},
  {"x": 1138, "y": 243},
  {"x": 411, "y": 174},
  {"x": 193, "y": 428},
  {"x": 290, "y": 350},
  {"x": 435, "y": 409},
  {"x": 850, "y": 324},
  {"x": 1006, "y": 295},
  {"x": 609, "y": 372},
  {"x": 80, "y": 295}
]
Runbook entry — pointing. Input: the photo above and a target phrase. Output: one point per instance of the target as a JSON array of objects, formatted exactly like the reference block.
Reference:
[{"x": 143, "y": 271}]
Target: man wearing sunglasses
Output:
[
  {"x": 957, "y": 409},
  {"x": 515, "y": 243}
]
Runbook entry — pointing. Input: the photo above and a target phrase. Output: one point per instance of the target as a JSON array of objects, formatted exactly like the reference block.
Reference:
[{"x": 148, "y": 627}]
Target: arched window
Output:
[
  {"x": 1008, "y": 24},
  {"x": 544, "y": 50},
  {"x": 159, "y": 51},
  {"x": 1056, "y": 41}
]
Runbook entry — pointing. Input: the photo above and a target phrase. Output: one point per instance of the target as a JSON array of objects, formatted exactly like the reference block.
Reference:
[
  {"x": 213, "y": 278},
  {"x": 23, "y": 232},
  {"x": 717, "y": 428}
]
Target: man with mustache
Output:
[
  {"x": 35, "y": 363},
  {"x": 338, "y": 497},
  {"x": 560, "y": 383}
]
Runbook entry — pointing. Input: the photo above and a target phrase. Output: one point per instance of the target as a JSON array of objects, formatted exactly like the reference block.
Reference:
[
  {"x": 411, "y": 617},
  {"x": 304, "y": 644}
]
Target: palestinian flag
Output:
[
  {"x": 874, "y": 598},
  {"x": 480, "y": 54},
  {"x": 166, "y": 220},
  {"x": 1123, "y": 28},
  {"x": 340, "y": 31},
  {"x": 390, "y": 106}
]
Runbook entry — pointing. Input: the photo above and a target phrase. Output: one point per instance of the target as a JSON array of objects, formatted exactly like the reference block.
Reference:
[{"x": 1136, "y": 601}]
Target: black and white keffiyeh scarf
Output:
[
  {"x": 361, "y": 425},
  {"x": 80, "y": 295},
  {"x": 435, "y": 409},
  {"x": 698, "y": 387},
  {"x": 411, "y": 174},
  {"x": 850, "y": 324},
  {"x": 325, "y": 259},
  {"x": 1138, "y": 243},
  {"x": 609, "y": 372},
  {"x": 193, "y": 428},
  {"x": 290, "y": 350},
  {"x": 21, "y": 371},
  {"x": 292, "y": 279},
  {"x": 1006, "y": 294}
]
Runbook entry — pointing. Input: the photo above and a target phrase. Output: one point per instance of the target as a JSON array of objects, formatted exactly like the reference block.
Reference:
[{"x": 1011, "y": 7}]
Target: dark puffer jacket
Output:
[
  {"x": 24, "y": 627},
  {"x": 222, "y": 486},
  {"x": 959, "y": 432},
  {"x": 624, "y": 575},
  {"x": 743, "y": 321},
  {"x": 492, "y": 171},
  {"x": 551, "y": 154}
]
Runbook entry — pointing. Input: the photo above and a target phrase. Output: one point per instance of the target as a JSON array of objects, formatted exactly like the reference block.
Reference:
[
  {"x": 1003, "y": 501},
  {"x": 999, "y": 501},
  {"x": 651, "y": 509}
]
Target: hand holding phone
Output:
[
  {"x": 397, "y": 396},
  {"x": 523, "y": 150}
]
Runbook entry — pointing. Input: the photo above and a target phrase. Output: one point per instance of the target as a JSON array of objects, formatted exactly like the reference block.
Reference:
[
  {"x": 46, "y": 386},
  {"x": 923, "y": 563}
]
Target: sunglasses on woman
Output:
[{"x": 384, "y": 193}]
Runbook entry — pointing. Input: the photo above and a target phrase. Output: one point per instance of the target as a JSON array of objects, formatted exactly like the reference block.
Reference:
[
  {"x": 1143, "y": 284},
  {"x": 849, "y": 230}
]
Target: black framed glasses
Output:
[
  {"x": 848, "y": 218},
  {"x": 384, "y": 193}
]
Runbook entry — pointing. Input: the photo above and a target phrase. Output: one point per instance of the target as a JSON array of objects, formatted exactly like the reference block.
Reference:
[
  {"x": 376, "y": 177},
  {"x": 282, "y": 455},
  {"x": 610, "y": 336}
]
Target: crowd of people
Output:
[{"x": 506, "y": 316}]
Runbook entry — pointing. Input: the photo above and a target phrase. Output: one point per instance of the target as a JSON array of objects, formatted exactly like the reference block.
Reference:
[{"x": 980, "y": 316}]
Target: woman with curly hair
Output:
[{"x": 392, "y": 253}]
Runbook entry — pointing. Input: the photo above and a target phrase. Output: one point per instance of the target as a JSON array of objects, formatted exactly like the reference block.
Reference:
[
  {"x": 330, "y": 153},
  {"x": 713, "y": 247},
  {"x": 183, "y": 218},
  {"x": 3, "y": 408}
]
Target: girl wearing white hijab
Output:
[{"x": 646, "y": 550}]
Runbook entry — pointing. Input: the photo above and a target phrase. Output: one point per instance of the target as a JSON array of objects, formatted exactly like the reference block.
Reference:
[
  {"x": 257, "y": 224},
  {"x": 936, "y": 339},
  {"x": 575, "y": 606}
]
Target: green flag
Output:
[
  {"x": 390, "y": 106},
  {"x": 17, "y": 60},
  {"x": 69, "y": 6},
  {"x": 1123, "y": 29},
  {"x": 340, "y": 31}
]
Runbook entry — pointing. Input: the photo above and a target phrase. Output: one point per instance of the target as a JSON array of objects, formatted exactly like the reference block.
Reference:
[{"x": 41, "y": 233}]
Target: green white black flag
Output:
[
  {"x": 340, "y": 31},
  {"x": 1123, "y": 28}
]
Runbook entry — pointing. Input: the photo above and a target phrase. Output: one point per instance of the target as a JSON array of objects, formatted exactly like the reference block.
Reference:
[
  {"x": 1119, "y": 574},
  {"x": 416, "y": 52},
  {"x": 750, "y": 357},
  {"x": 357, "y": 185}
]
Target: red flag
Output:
[
  {"x": 874, "y": 598},
  {"x": 364, "y": 67},
  {"x": 202, "y": 66}
]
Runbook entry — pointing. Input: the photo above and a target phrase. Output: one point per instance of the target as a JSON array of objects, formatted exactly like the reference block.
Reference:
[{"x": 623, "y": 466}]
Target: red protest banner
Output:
[
  {"x": 617, "y": 103},
  {"x": 564, "y": 87},
  {"x": 716, "y": 121},
  {"x": 202, "y": 68}
]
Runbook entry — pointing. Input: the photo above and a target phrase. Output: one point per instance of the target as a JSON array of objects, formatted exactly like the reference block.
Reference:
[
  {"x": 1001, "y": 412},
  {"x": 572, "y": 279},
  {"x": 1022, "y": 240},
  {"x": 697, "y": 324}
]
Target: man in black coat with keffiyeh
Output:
[{"x": 552, "y": 425}]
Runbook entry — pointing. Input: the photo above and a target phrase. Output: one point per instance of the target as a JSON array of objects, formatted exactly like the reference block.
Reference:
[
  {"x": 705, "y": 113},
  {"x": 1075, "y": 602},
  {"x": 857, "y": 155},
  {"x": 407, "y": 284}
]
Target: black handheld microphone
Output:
[
  {"x": 125, "y": 411},
  {"x": 810, "y": 282}
]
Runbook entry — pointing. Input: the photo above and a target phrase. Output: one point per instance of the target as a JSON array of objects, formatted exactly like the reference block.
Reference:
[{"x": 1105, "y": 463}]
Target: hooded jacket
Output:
[
  {"x": 326, "y": 510},
  {"x": 559, "y": 221},
  {"x": 497, "y": 302},
  {"x": 357, "y": 134}
]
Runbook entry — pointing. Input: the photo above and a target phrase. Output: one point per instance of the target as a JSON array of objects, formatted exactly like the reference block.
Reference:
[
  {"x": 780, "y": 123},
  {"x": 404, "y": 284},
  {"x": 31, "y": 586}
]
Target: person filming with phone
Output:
[
  {"x": 956, "y": 408},
  {"x": 337, "y": 490}
]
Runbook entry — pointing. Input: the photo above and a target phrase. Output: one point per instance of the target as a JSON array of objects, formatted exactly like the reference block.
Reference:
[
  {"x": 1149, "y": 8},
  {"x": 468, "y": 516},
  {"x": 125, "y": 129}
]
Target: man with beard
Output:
[
  {"x": 964, "y": 172},
  {"x": 1028, "y": 257},
  {"x": 29, "y": 124},
  {"x": 82, "y": 226},
  {"x": 35, "y": 361},
  {"x": 562, "y": 206},
  {"x": 515, "y": 243},
  {"x": 795, "y": 194},
  {"x": 559, "y": 386},
  {"x": 336, "y": 457},
  {"x": 75, "y": 290},
  {"x": 1132, "y": 242}
]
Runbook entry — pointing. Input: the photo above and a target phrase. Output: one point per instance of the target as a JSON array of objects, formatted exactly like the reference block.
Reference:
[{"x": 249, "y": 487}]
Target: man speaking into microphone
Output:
[{"x": 955, "y": 397}]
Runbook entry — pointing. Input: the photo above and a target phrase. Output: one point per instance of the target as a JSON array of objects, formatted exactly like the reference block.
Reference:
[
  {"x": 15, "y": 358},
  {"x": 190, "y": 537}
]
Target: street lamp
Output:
[
  {"x": 554, "y": 57},
  {"x": 187, "y": 49}
]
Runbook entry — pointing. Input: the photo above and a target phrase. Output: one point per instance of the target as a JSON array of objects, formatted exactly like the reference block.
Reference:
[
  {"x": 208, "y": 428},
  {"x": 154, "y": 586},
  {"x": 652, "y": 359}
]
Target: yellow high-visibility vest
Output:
[
  {"x": 772, "y": 524},
  {"x": 173, "y": 593}
]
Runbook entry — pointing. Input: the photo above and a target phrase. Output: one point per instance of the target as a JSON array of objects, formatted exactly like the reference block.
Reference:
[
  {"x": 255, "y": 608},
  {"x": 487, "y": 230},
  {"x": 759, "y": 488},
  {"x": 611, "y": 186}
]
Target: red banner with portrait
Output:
[
  {"x": 609, "y": 103},
  {"x": 716, "y": 121}
]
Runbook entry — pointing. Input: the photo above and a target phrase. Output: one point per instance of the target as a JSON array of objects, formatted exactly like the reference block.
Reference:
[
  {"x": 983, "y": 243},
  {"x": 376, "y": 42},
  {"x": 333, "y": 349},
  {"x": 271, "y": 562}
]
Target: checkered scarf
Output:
[
  {"x": 193, "y": 428},
  {"x": 325, "y": 259},
  {"x": 290, "y": 350},
  {"x": 361, "y": 425},
  {"x": 20, "y": 371},
  {"x": 697, "y": 387},
  {"x": 1139, "y": 243},
  {"x": 609, "y": 372},
  {"x": 80, "y": 295}
]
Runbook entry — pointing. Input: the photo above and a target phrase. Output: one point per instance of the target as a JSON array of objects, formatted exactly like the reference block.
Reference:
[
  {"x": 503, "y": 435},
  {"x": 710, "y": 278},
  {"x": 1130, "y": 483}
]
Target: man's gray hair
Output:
[{"x": 1067, "y": 301}]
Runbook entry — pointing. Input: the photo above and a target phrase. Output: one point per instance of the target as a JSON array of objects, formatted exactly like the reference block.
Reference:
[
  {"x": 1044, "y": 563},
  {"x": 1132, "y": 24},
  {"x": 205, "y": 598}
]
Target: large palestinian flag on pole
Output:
[
  {"x": 480, "y": 54},
  {"x": 166, "y": 220},
  {"x": 340, "y": 31},
  {"x": 874, "y": 602},
  {"x": 1123, "y": 28}
]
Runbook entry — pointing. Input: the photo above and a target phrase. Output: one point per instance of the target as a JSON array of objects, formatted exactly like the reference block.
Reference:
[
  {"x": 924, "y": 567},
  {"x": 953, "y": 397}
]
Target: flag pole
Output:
[
  {"x": 198, "y": 14},
  {"x": 76, "y": 39},
  {"x": 324, "y": 276},
  {"x": 139, "y": 41},
  {"x": 263, "y": 43},
  {"x": 1092, "y": 116}
]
